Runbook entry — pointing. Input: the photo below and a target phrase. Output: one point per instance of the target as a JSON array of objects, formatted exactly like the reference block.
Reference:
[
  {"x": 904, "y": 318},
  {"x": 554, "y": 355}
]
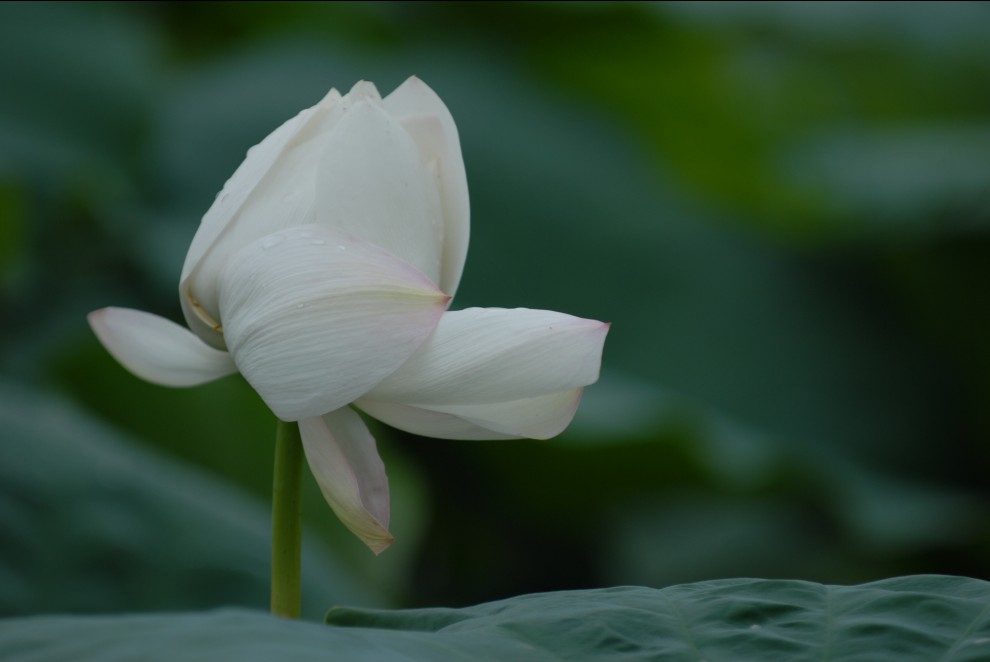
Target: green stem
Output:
[{"x": 287, "y": 521}]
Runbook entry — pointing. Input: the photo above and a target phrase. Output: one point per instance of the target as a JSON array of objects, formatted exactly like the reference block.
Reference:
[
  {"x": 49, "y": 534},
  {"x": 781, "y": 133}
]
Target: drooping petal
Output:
[
  {"x": 314, "y": 318},
  {"x": 540, "y": 417},
  {"x": 158, "y": 350},
  {"x": 426, "y": 118},
  {"x": 372, "y": 182},
  {"x": 491, "y": 355},
  {"x": 426, "y": 422},
  {"x": 489, "y": 373},
  {"x": 272, "y": 189},
  {"x": 344, "y": 460}
]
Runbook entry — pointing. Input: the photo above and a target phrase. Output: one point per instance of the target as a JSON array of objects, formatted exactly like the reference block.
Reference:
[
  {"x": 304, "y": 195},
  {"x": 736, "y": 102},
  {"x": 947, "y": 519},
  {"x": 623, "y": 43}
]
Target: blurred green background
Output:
[{"x": 783, "y": 209}]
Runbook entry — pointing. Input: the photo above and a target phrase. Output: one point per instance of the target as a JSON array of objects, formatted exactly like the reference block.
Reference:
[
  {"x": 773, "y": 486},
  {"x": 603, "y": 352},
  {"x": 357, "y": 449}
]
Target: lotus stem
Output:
[{"x": 287, "y": 521}]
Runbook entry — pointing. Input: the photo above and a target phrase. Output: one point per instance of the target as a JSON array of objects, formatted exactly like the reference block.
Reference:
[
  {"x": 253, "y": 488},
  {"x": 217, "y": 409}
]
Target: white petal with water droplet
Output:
[
  {"x": 362, "y": 314},
  {"x": 272, "y": 189},
  {"x": 371, "y": 182}
]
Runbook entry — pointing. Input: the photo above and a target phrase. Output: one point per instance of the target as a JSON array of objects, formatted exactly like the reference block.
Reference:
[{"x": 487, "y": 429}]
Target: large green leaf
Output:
[{"x": 909, "y": 618}]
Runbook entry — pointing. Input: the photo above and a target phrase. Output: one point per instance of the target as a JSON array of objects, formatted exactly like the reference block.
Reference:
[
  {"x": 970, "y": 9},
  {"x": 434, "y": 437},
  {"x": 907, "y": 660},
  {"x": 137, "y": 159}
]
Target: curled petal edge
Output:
[
  {"x": 425, "y": 116},
  {"x": 344, "y": 460},
  {"x": 540, "y": 417},
  {"x": 479, "y": 356},
  {"x": 158, "y": 350}
]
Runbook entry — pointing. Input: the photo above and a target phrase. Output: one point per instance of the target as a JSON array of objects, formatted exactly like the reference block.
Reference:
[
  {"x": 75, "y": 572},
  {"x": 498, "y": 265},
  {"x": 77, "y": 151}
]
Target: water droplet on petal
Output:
[
  {"x": 341, "y": 247},
  {"x": 270, "y": 242}
]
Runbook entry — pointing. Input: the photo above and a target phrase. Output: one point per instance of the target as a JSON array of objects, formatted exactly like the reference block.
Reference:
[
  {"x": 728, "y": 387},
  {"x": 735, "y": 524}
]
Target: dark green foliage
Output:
[{"x": 92, "y": 523}]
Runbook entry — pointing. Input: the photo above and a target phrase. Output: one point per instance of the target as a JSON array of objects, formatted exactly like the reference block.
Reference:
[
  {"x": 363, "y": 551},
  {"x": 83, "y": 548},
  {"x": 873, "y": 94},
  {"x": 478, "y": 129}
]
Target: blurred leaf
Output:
[
  {"x": 693, "y": 535},
  {"x": 892, "y": 515},
  {"x": 190, "y": 24},
  {"x": 898, "y": 620},
  {"x": 14, "y": 220},
  {"x": 91, "y": 522},
  {"x": 85, "y": 57},
  {"x": 910, "y": 180},
  {"x": 723, "y": 92},
  {"x": 619, "y": 409},
  {"x": 941, "y": 28}
]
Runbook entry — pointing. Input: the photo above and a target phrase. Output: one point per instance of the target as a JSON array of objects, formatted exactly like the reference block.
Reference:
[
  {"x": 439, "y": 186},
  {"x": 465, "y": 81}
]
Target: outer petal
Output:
[
  {"x": 541, "y": 417},
  {"x": 158, "y": 350},
  {"x": 345, "y": 462},
  {"x": 372, "y": 182},
  {"x": 426, "y": 118},
  {"x": 491, "y": 355},
  {"x": 314, "y": 318},
  {"x": 278, "y": 172}
]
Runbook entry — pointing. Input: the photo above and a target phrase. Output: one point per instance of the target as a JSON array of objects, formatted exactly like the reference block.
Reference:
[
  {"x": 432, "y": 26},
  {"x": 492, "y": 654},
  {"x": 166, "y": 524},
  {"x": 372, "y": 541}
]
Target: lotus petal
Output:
[
  {"x": 372, "y": 182},
  {"x": 314, "y": 318},
  {"x": 344, "y": 460},
  {"x": 540, "y": 417},
  {"x": 277, "y": 172},
  {"x": 491, "y": 355},
  {"x": 426, "y": 118},
  {"x": 158, "y": 350}
]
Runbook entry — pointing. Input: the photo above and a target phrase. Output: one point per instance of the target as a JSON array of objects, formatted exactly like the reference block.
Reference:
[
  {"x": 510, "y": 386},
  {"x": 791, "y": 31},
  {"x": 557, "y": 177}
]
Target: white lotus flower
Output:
[{"x": 323, "y": 272}]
